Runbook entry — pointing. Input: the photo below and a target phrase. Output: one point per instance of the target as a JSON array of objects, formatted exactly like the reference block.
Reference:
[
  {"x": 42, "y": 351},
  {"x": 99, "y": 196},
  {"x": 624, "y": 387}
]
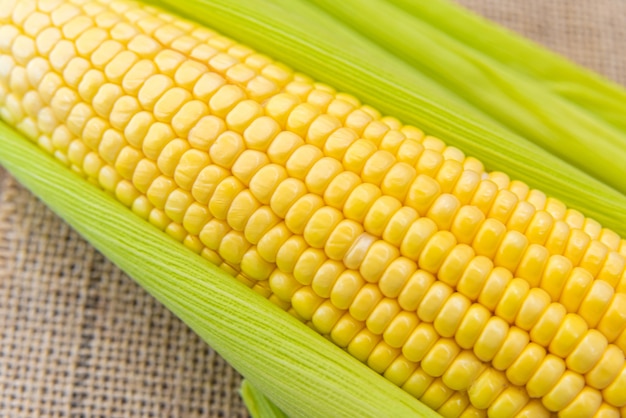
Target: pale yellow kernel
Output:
[
  {"x": 338, "y": 143},
  {"x": 184, "y": 44},
  {"x": 280, "y": 106},
  {"x": 277, "y": 72},
  {"x": 145, "y": 173},
  {"x": 74, "y": 71},
  {"x": 320, "y": 98},
  {"x": 305, "y": 302},
  {"x": 486, "y": 388},
  {"x": 117, "y": 69},
  {"x": 170, "y": 156},
  {"x": 76, "y": 26},
  {"x": 241, "y": 209},
  {"x": 90, "y": 86},
  {"x": 126, "y": 193},
  {"x": 301, "y": 118},
  {"x": 416, "y": 236},
  {"x": 44, "y": 142},
  {"x": 325, "y": 317},
  {"x": 105, "y": 52},
  {"x": 420, "y": 342},
  {"x": 48, "y": 86},
  {"x": 28, "y": 126},
  {"x": 190, "y": 164},
  {"x": 594, "y": 257},
  {"x": 225, "y": 99},
  {"x": 289, "y": 252},
  {"x": 261, "y": 88},
  {"x": 203, "y": 52},
  {"x": 108, "y": 178},
  {"x": 159, "y": 191},
  {"x": 23, "y": 49},
  {"x": 321, "y": 225},
  {"x": 223, "y": 197},
  {"x": 376, "y": 167},
  {"x": 257, "y": 226},
  {"x": 358, "y": 154},
  {"x": 357, "y": 120},
  {"x": 610, "y": 238},
  {"x": 123, "y": 32},
  {"x": 463, "y": 370},
  {"x": 157, "y": 137},
  {"x": 63, "y": 101},
  {"x": 391, "y": 141},
  {"x": 247, "y": 165},
  {"x": 286, "y": 194},
  {"x": 360, "y": 200},
  {"x": 77, "y": 118},
  {"x": 89, "y": 40},
  {"x": 535, "y": 303},
  {"x": 127, "y": 161},
  {"x": 136, "y": 75},
  {"x": 238, "y": 73},
  {"x": 298, "y": 214},
  {"x": 400, "y": 328},
  {"x": 12, "y": 111},
  {"x": 545, "y": 329},
  {"x": 168, "y": 33},
  {"x": 44, "y": 42},
  {"x": 18, "y": 82},
  {"x": 382, "y": 315},
  {"x": 152, "y": 90},
  {"x": 76, "y": 152},
  {"x": 243, "y": 114},
  {"x": 357, "y": 252},
  {"x": 61, "y": 138},
  {"x": 226, "y": 148}
]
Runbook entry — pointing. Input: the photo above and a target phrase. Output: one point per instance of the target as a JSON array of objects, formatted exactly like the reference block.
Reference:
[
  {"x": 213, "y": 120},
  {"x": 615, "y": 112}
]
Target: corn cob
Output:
[{"x": 469, "y": 290}]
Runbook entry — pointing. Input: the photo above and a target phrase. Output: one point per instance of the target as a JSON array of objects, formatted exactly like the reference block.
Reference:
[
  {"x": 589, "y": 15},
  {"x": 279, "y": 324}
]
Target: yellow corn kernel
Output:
[
  {"x": 345, "y": 330},
  {"x": 472, "y": 325},
  {"x": 420, "y": 342},
  {"x": 491, "y": 338},
  {"x": 566, "y": 389}
]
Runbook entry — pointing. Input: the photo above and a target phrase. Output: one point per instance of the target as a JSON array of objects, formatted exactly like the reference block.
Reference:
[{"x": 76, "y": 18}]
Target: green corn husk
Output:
[
  {"x": 518, "y": 100},
  {"x": 257, "y": 403},
  {"x": 303, "y": 374},
  {"x": 304, "y": 37},
  {"x": 587, "y": 89}
]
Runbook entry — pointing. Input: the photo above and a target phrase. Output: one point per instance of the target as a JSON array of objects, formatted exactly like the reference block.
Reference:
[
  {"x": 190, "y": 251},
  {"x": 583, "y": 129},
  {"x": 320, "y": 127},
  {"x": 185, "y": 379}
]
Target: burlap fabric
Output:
[{"x": 78, "y": 338}]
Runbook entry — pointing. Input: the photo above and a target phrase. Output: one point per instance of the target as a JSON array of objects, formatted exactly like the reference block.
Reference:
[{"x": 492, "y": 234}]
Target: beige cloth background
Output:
[{"x": 78, "y": 338}]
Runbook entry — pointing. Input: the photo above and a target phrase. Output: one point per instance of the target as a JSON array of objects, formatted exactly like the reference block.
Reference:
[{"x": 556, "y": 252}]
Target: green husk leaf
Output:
[
  {"x": 585, "y": 88},
  {"x": 257, "y": 403},
  {"x": 522, "y": 103},
  {"x": 301, "y": 372},
  {"x": 302, "y": 36}
]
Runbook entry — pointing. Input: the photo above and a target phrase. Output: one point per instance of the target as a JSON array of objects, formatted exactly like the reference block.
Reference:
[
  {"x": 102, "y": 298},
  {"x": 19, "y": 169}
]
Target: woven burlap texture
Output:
[{"x": 78, "y": 338}]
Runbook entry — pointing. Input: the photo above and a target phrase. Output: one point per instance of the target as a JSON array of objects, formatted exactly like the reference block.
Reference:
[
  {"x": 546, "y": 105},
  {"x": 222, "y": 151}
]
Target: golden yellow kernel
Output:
[
  {"x": 321, "y": 174},
  {"x": 566, "y": 389},
  {"x": 298, "y": 214},
  {"x": 396, "y": 275},
  {"x": 575, "y": 289},
  {"x": 545, "y": 329},
  {"x": 223, "y": 196},
  {"x": 472, "y": 325},
  {"x": 241, "y": 209},
  {"x": 213, "y": 233},
  {"x": 486, "y": 388},
  {"x": 451, "y": 314},
  {"x": 177, "y": 204},
  {"x": 596, "y": 302},
  {"x": 76, "y": 153},
  {"x": 339, "y": 142},
  {"x": 463, "y": 370},
  {"x": 363, "y": 344},
  {"x": 382, "y": 356},
  {"x": 247, "y": 165},
  {"x": 255, "y": 267},
  {"x": 392, "y": 139},
  {"x": 305, "y": 302},
  {"x": 365, "y": 301},
  {"x": 325, "y": 317},
  {"x": 272, "y": 241},
  {"x": 345, "y": 288},
  {"x": 433, "y": 300},
  {"x": 345, "y": 330},
  {"x": 420, "y": 342},
  {"x": 232, "y": 246},
  {"x": 435, "y": 250},
  {"x": 159, "y": 191}
]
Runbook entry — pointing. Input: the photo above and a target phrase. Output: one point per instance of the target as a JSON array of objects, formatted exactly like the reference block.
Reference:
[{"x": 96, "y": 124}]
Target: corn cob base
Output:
[{"x": 472, "y": 292}]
